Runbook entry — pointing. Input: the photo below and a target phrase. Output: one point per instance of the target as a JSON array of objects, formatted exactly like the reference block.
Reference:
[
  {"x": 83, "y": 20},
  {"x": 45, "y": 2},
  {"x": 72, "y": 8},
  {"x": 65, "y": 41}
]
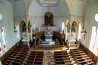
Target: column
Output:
[{"x": 27, "y": 34}]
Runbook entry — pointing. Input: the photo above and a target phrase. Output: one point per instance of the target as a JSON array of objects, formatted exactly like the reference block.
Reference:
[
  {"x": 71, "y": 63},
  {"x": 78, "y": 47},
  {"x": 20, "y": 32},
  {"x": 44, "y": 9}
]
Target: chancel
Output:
[{"x": 48, "y": 32}]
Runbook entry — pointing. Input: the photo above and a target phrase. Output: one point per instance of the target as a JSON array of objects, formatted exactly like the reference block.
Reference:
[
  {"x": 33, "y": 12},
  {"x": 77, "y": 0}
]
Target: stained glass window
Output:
[
  {"x": 79, "y": 31},
  {"x": 95, "y": 50},
  {"x": 94, "y": 41},
  {"x": 0, "y": 44},
  {"x": 93, "y": 36},
  {"x": 3, "y": 37}
]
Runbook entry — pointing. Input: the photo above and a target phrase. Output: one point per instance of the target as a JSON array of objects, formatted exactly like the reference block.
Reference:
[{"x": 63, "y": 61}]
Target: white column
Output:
[{"x": 27, "y": 34}]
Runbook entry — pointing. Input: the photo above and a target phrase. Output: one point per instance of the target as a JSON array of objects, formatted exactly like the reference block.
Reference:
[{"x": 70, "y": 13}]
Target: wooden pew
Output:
[
  {"x": 62, "y": 58},
  {"x": 35, "y": 58},
  {"x": 81, "y": 57},
  {"x": 16, "y": 56}
]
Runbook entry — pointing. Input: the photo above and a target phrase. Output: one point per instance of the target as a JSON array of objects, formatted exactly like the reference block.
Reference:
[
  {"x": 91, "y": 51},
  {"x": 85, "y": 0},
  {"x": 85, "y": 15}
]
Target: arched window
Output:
[
  {"x": 95, "y": 50},
  {"x": 18, "y": 31},
  {"x": 63, "y": 26},
  {"x": 1, "y": 16},
  {"x": 79, "y": 31},
  {"x": 3, "y": 39},
  {"x": 93, "y": 38},
  {"x": 0, "y": 43}
]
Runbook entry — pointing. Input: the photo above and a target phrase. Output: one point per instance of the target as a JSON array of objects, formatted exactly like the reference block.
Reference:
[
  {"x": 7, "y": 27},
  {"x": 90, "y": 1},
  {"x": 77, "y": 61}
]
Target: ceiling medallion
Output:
[{"x": 48, "y": 3}]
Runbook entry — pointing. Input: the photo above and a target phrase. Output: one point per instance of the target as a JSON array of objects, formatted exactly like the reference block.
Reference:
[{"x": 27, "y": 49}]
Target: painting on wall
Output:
[{"x": 48, "y": 19}]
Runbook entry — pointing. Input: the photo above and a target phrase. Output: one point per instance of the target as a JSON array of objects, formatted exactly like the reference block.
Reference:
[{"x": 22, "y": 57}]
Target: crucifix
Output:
[{"x": 84, "y": 32}]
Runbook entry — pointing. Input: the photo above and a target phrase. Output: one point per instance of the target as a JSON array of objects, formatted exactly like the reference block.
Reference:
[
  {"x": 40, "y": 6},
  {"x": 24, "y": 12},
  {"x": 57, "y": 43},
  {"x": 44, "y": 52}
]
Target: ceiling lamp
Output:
[{"x": 48, "y": 3}]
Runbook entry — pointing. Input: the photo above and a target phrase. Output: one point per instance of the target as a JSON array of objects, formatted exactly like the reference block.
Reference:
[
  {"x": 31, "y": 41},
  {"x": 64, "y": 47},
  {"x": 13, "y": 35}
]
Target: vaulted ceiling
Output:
[{"x": 58, "y": 7}]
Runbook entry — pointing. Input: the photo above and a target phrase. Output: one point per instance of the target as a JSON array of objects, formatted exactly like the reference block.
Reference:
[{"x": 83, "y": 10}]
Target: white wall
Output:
[
  {"x": 7, "y": 22},
  {"x": 92, "y": 9},
  {"x": 39, "y": 20}
]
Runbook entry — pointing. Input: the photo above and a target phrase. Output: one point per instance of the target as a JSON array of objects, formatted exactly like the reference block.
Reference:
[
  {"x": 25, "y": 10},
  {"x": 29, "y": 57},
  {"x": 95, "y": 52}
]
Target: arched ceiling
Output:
[
  {"x": 64, "y": 8},
  {"x": 36, "y": 9}
]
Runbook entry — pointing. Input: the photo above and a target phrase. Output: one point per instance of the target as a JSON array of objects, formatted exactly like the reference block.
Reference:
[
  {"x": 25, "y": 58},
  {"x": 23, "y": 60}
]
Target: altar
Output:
[
  {"x": 48, "y": 42},
  {"x": 54, "y": 28}
]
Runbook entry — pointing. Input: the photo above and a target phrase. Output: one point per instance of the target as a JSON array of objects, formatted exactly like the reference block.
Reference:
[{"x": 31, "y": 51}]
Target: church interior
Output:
[{"x": 48, "y": 32}]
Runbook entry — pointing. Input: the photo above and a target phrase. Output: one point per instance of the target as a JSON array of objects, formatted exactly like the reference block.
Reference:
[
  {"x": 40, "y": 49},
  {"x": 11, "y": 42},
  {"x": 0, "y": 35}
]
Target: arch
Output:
[
  {"x": 17, "y": 25},
  {"x": 33, "y": 5}
]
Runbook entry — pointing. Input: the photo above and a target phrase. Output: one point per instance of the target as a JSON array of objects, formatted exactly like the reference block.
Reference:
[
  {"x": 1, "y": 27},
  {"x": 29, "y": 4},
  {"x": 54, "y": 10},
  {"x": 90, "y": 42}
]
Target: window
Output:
[
  {"x": 0, "y": 44},
  {"x": 95, "y": 51},
  {"x": 96, "y": 17},
  {"x": 1, "y": 17},
  {"x": 63, "y": 26},
  {"x": 3, "y": 37},
  {"x": 93, "y": 43},
  {"x": 79, "y": 31},
  {"x": 18, "y": 32}
]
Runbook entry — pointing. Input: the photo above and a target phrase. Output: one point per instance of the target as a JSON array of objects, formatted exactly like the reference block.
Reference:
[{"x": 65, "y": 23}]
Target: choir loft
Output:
[{"x": 48, "y": 32}]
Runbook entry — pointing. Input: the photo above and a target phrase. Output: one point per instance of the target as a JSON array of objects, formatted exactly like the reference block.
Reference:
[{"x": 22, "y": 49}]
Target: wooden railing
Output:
[
  {"x": 38, "y": 36},
  {"x": 58, "y": 36}
]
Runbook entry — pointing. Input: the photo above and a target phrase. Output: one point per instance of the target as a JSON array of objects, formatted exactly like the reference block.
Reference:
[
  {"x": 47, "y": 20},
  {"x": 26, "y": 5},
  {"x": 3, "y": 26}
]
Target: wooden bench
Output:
[{"x": 35, "y": 58}]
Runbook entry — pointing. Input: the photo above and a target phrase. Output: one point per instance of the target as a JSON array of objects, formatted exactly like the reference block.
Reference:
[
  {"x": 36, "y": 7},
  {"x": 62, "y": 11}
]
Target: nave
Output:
[
  {"x": 22, "y": 55},
  {"x": 48, "y": 32}
]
